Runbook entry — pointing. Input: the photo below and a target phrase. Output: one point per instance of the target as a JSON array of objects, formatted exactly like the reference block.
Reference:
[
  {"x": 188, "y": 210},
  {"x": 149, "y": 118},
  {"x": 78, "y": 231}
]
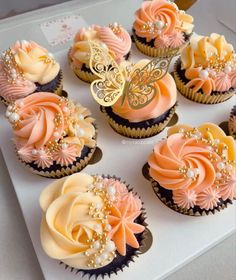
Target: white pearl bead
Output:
[
  {"x": 34, "y": 152},
  {"x": 13, "y": 71},
  {"x": 110, "y": 246},
  {"x": 96, "y": 245},
  {"x": 203, "y": 74},
  {"x": 98, "y": 205},
  {"x": 8, "y": 113},
  {"x": 181, "y": 130},
  {"x": 64, "y": 146},
  {"x": 56, "y": 134},
  {"x": 104, "y": 256},
  {"x": 190, "y": 173},
  {"x": 65, "y": 109},
  {"x": 218, "y": 175},
  {"x": 41, "y": 152},
  {"x": 24, "y": 42},
  {"x": 104, "y": 46},
  {"x": 80, "y": 117},
  {"x": 13, "y": 75},
  {"x": 159, "y": 24},
  {"x": 220, "y": 165},
  {"x": 115, "y": 24},
  {"x": 14, "y": 117},
  {"x": 50, "y": 55},
  {"x": 227, "y": 69},
  {"x": 209, "y": 148},
  {"x": 108, "y": 227},
  {"x": 80, "y": 132},
  {"x": 196, "y": 171},
  {"x": 111, "y": 190},
  {"x": 159, "y": 32},
  {"x": 9, "y": 108},
  {"x": 98, "y": 260}
]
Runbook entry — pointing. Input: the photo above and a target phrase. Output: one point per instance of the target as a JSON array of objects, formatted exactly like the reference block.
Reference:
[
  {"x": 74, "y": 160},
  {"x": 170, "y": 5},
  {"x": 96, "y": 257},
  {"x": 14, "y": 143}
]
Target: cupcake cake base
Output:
[
  {"x": 138, "y": 130},
  {"x": 213, "y": 98}
]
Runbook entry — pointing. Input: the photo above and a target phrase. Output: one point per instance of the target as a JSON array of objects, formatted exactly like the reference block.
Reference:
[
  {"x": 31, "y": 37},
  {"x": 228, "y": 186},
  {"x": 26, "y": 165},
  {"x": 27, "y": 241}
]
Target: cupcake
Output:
[
  {"x": 206, "y": 71},
  {"x": 94, "y": 224},
  {"x": 160, "y": 27},
  {"x": 232, "y": 122},
  {"x": 114, "y": 37},
  {"x": 139, "y": 99},
  {"x": 193, "y": 170},
  {"x": 26, "y": 68},
  {"x": 53, "y": 136}
]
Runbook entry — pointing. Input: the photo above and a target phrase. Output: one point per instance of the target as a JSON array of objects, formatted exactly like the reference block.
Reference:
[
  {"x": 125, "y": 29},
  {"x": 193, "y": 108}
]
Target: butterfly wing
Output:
[
  {"x": 141, "y": 90},
  {"x": 109, "y": 86}
]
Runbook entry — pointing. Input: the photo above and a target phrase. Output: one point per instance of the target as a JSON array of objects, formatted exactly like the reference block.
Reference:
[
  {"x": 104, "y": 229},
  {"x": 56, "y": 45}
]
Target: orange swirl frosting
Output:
[
  {"x": 115, "y": 37},
  {"x": 49, "y": 128},
  {"x": 160, "y": 17},
  {"x": 164, "y": 99},
  {"x": 194, "y": 163},
  {"x": 79, "y": 224},
  {"x": 210, "y": 64}
]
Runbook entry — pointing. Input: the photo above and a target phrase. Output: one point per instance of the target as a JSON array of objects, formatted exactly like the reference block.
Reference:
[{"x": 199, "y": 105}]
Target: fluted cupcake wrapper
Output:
[
  {"x": 63, "y": 171},
  {"x": 59, "y": 87},
  {"x": 195, "y": 211},
  {"x": 199, "y": 97},
  {"x": 155, "y": 52},
  {"x": 119, "y": 262},
  {"x": 232, "y": 114},
  {"x": 139, "y": 133}
]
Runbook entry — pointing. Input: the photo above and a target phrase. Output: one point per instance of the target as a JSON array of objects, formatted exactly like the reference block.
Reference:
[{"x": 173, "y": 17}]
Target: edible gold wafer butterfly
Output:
[{"x": 137, "y": 87}]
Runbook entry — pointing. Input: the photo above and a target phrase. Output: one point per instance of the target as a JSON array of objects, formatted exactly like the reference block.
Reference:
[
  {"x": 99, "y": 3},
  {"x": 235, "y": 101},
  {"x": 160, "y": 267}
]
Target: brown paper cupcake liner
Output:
[
  {"x": 190, "y": 212},
  {"x": 139, "y": 133},
  {"x": 232, "y": 115},
  {"x": 232, "y": 133},
  {"x": 155, "y": 52},
  {"x": 200, "y": 97},
  {"x": 145, "y": 242}
]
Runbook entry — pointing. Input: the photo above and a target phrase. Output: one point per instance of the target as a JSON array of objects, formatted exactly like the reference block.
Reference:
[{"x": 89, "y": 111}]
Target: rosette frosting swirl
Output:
[
  {"x": 75, "y": 228},
  {"x": 164, "y": 99},
  {"x": 194, "y": 164}
]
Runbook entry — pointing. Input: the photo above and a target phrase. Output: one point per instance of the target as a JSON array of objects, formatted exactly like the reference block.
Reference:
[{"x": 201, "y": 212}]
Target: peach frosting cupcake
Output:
[
  {"x": 25, "y": 68},
  {"x": 114, "y": 37},
  {"x": 92, "y": 223},
  {"x": 193, "y": 170},
  {"x": 149, "y": 120},
  {"x": 206, "y": 71},
  {"x": 160, "y": 26},
  {"x": 53, "y": 136}
]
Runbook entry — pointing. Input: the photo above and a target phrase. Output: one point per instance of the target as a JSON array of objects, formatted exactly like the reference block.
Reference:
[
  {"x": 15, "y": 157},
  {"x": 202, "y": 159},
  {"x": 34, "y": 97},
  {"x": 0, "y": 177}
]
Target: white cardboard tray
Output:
[{"x": 177, "y": 239}]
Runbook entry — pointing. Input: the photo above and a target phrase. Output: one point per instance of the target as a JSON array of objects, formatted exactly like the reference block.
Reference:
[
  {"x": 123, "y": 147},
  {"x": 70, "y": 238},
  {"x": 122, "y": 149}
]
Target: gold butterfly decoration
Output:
[{"x": 138, "y": 87}]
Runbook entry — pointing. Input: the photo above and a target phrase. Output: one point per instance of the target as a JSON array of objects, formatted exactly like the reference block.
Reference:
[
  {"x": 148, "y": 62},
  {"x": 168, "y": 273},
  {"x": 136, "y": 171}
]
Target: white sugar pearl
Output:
[
  {"x": 227, "y": 69},
  {"x": 9, "y": 108},
  {"x": 111, "y": 190},
  {"x": 96, "y": 245},
  {"x": 8, "y": 113},
  {"x": 110, "y": 246},
  {"x": 218, "y": 175},
  {"x": 24, "y": 42},
  {"x": 65, "y": 109},
  {"x": 220, "y": 165},
  {"x": 198, "y": 134},
  {"x": 80, "y": 132},
  {"x": 181, "y": 130},
  {"x": 41, "y": 152},
  {"x": 98, "y": 260},
  {"x": 190, "y": 173},
  {"x": 80, "y": 117},
  {"x": 98, "y": 205},
  {"x": 217, "y": 141},
  {"x": 50, "y": 55},
  {"x": 108, "y": 227},
  {"x": 13, "y": 75},
  {"x": 159, "y": 24},
  {"x": 196, "y": 171},
  {"x": 203, "y": 74},
  {"x": 14, "y": 117},
  {"x": 56, "y": 134},
  {"x": 209, "y": 148},
  {"x": 104, "y": 256},
  {"x": 13, "y": 71},
  {"x": 104, "y": 46},
  {"x": 34, "y": 152},
  {"x": 64, "y": 146},
  {"x": 159, "y": 32},
  {"x": 115, "y": 24}
]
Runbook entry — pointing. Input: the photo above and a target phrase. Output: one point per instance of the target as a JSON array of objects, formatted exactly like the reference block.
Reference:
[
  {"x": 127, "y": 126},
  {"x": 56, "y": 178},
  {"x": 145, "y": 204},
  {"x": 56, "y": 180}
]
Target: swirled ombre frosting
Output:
[
  {"x": 194, "y": 163},
  {"x": 115, "y": 37},
  {"x": 50, "y": 129},
  {"x": 36, "y": 63},
  {"x": 164, "y": 99},
  {"x": 75, "y": 227},
  {"x": 209, "y": 63},
  {"x": 161, "y": 17}
]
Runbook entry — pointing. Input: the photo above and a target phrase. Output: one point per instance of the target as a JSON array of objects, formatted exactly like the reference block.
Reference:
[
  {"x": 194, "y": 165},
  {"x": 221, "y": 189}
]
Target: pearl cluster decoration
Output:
[
  {"x": 12, "y": 115},
  {"x": 13, "y": 72},
  {"x": 100, "y": 243},
  {"x": 219, "y": 64},
  {"x": 154, "y": 27},
  {"x": 115, "y": 27},
  {"x": 217, "y": 150}
]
